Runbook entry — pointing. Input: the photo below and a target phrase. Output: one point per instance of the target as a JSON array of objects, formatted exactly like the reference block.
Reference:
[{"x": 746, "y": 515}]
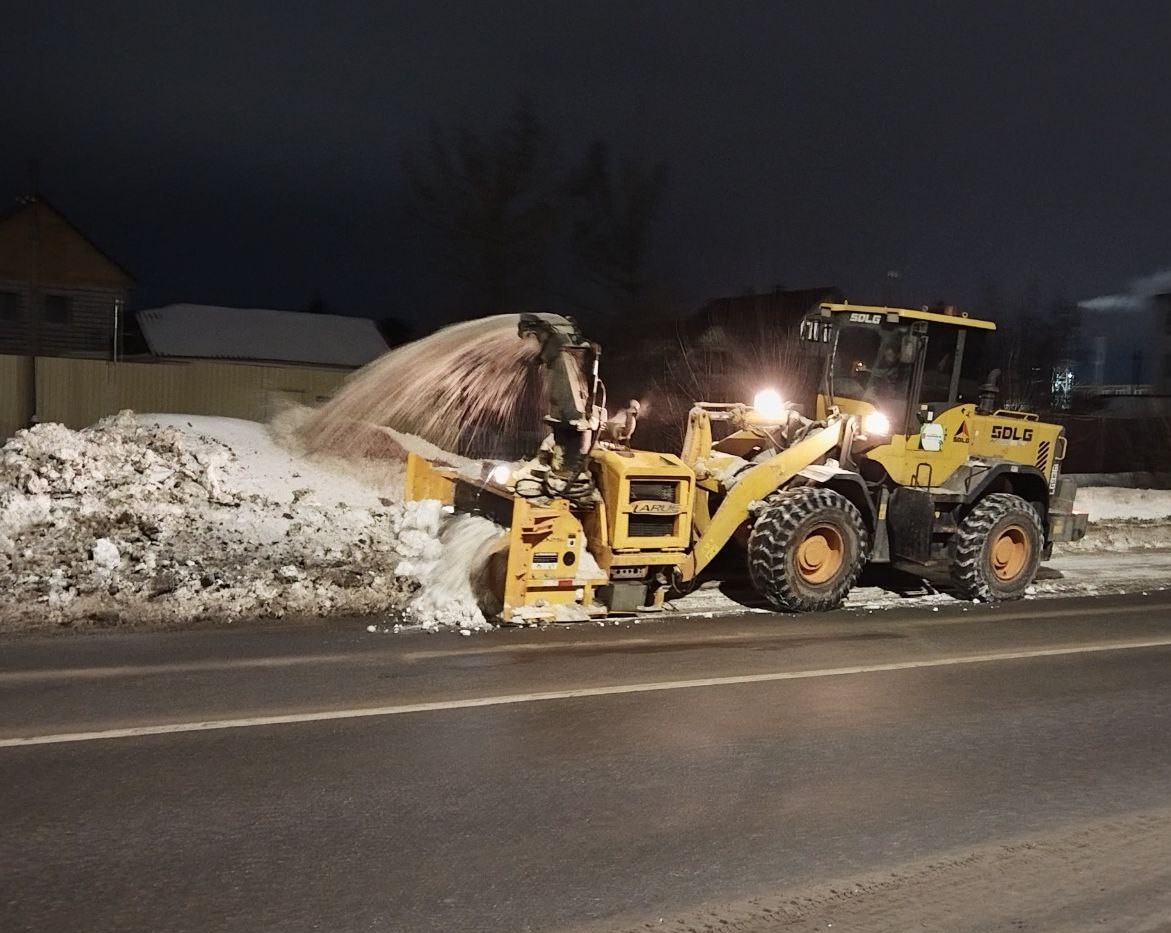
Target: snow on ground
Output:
[
  {"x": 172, "y": 518},
  {"x": 165, "y": 518}
]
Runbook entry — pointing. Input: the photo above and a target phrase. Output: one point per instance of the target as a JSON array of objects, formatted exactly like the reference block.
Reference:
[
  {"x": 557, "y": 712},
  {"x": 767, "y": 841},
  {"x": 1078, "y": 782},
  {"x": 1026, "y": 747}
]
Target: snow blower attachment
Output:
[{"x": 907, "y": 461}]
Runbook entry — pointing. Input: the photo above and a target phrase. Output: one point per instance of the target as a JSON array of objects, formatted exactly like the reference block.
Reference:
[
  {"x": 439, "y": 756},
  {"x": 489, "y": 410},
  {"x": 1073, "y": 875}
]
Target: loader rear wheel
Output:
[
  {"x": 807, "y": 549},
  {"x": 997, "y": 549}
]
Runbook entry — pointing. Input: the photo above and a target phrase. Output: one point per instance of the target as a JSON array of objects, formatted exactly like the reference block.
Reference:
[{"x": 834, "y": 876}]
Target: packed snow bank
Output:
[
  {"x": 1105, "y": 503},
  {"x": 1124, "y": 519},
  {"x": 170, "y": 518}
]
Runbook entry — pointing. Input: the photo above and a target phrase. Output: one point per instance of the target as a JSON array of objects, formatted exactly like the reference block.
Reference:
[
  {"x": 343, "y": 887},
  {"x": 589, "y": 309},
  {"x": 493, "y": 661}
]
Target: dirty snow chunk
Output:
[
  {"x": 570, "y": 612},
  {"x": 182, "y": 518},
  {"x": 587, "y": 568},
  {"x": 105, "y": 554}
]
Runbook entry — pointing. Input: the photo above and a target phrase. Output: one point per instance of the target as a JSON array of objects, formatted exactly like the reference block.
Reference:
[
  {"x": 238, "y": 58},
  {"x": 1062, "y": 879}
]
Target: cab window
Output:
[
  {"x": 945, "y": 349},
  {"x": 875, "y": 365}
]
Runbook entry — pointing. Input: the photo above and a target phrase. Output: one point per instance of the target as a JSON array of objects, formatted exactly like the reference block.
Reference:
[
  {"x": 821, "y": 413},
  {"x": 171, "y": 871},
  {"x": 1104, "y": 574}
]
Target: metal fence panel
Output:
[{"x": 77, "y": 392}]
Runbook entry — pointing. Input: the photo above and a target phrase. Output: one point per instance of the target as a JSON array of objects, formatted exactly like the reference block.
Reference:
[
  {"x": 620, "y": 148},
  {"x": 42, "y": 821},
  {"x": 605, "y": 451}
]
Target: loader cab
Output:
[{"x": 909, "y": 365}]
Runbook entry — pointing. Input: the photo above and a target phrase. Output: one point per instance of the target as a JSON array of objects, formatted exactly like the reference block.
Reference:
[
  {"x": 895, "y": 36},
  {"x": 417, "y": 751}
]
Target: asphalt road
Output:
[{"x": 322, "y": 778}]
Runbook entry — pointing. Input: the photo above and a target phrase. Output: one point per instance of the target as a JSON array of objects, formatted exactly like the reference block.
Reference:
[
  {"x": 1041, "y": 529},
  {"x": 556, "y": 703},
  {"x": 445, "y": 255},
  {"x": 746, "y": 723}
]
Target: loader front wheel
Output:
[
  {"x": 997, "y": 549},
  {"x": 806, "y": 550}
]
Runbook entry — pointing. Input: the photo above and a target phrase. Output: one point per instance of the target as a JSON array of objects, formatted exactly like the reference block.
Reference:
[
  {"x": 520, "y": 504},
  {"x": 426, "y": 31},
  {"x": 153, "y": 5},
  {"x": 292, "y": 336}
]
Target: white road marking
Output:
[
  {"x": 173, "y": 667},
  {"x": 511, "y": 699}
]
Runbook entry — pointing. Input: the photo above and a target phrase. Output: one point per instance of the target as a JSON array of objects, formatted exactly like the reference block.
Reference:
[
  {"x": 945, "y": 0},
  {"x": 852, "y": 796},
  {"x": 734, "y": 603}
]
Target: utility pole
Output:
[{"x": 34, "y": 307}]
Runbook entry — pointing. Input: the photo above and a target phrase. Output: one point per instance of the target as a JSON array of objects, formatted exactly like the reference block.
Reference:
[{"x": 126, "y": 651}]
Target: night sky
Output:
[{"x": 251, "y": 153}]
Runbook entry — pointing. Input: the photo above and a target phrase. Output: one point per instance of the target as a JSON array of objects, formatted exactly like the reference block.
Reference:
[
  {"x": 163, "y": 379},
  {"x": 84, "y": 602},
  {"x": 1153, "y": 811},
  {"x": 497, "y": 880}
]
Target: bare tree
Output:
[
  {"x": 494, "y": 198},
  {"x": 614, "y": 211}
]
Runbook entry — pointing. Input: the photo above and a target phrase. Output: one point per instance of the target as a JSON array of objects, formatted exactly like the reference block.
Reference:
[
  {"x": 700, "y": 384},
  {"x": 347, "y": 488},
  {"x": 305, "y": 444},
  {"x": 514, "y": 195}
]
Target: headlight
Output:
[
  {"x": 876, "y": 423},
  {"x": 769, "y": 404},
  {"x": 501, "y": 474}
]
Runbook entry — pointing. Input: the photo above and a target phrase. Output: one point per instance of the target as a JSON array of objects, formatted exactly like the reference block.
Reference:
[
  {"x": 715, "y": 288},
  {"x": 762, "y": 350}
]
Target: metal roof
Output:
[{"x": 212, "y": 332}]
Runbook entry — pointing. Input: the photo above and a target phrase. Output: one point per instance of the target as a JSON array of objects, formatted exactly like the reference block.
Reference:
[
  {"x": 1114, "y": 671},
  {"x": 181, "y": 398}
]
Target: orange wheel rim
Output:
[
  {"x": 1010, "y": 553},
  {"x": 820, "y": 554}
]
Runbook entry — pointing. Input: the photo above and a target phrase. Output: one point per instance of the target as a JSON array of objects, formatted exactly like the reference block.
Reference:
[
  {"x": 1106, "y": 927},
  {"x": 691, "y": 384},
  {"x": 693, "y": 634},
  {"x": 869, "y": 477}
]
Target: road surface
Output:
[{"x": 947, "y": 768}]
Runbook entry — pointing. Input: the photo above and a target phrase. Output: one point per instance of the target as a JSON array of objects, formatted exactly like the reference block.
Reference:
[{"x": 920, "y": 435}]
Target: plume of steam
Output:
[{"x": 1137, "y": 297}]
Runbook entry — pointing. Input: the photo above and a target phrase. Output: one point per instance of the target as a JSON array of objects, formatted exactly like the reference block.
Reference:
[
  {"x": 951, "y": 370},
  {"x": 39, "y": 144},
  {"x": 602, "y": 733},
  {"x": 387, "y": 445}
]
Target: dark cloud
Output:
[{"x": 250, "y": 153}]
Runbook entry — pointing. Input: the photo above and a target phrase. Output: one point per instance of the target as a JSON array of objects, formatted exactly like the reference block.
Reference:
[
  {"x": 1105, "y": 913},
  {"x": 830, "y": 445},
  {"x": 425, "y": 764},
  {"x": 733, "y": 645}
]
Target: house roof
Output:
[
  {"x": 60, "y": 256},
  {"x": 208, "y": 331}
]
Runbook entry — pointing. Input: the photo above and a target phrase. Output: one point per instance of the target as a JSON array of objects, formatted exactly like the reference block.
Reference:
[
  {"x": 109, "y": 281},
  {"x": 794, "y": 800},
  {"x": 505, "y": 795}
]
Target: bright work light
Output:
[
  {"x": 501, "y": 474},
  {"x": 769, "y": 404},
  {"x": 876, "y": 423}
]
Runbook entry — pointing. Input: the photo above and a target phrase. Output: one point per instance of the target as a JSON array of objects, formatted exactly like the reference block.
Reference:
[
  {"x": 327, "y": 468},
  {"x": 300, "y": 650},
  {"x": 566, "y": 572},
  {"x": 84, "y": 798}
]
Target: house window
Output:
[
  {"x": 11, "y": 306},
  {"x": 58, "y": 308}
]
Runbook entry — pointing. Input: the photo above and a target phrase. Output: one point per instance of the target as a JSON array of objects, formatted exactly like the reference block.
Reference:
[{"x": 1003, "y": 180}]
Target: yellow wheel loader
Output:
[{"x": 906, "y": 458}]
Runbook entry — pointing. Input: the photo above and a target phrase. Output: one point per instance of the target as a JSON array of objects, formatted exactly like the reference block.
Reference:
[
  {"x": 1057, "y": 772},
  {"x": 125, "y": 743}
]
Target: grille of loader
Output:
[
  {"x": 649, "y": 525},
  {"x": 656, "y": 490}
]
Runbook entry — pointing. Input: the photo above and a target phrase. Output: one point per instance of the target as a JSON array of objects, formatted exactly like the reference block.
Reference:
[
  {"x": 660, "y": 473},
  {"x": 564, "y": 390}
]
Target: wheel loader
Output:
[{"x": 905, "y": 457}]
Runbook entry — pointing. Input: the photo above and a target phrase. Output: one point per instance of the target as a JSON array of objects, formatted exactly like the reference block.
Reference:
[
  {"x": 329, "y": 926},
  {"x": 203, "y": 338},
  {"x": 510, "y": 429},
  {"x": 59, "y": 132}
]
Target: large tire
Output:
[
  {"x": 806, "y": 550},
  {"x": 997, "y": 549}
]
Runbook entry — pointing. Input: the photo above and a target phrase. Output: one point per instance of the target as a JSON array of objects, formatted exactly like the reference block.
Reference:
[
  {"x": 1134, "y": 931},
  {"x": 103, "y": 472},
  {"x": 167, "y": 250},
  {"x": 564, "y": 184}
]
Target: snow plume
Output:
[
  {"x": 459, "y": 385},
  {"x": 1137, "y": 297}
]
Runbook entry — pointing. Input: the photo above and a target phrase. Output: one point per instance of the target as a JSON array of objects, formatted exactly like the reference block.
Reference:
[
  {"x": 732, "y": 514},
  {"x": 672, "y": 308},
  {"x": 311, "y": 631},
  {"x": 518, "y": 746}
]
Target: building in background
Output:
[
  {"x": 259, "y": 335},
  {"x": 60, "y": 295},
  {"x": 1162, "y": 375},
  {"x": 739, "y": 344},
  {"x": 1116, "y": 345},
  {"x": 750, "y": 315},
  {"x": 64, "y": 329}
]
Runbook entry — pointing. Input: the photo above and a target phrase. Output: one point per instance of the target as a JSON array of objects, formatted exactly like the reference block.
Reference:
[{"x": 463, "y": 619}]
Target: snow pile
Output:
[
  {"x": 1124, "y": 519},
  {"x": 176, "y": 518},
  {"x": 1111, "y": 504}
]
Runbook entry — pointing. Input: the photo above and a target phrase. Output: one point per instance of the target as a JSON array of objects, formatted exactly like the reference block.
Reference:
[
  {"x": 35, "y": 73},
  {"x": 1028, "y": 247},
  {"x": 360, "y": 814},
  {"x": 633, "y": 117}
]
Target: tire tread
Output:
[
  {"x": 773, "y": 535},
  {"x": 968, "y": 563}
]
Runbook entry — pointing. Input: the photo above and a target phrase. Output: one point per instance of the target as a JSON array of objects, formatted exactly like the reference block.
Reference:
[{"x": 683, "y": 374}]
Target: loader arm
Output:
[{"x": 757, "y": 484}]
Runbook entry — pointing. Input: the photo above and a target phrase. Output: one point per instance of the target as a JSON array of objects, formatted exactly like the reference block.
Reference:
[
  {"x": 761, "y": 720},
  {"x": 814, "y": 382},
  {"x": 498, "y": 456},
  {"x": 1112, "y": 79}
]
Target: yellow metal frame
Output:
[
  {"x": 424, "y": 481},
  {"x": 615, "y": 472},
  {"x": 914, "y": 314},
  {"x": 543, "y": 565},
  {"x": 757, "y": 484},
  {"x": 532, "y": 584}
]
